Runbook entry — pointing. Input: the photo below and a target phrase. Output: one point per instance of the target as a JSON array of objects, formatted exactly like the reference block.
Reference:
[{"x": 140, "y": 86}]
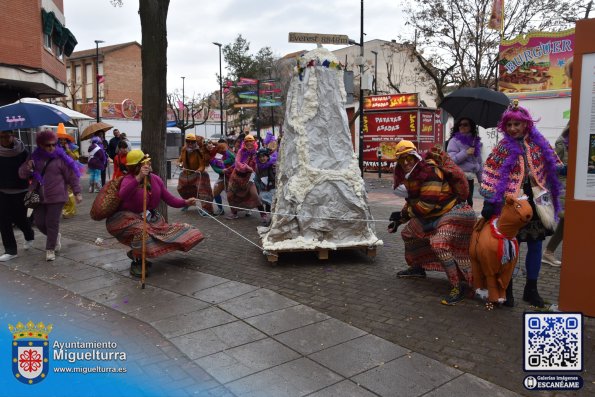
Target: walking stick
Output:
[{"x": 143, "y": 254}]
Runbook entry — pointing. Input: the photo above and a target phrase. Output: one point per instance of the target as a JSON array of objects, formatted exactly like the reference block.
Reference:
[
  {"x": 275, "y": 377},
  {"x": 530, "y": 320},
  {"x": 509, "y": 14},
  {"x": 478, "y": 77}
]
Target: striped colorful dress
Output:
[{"x": 439, "y": 227}]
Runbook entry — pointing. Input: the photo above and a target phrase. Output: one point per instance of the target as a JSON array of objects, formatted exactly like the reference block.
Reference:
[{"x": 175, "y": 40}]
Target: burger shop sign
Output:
[{"x": 539, "y": 61}]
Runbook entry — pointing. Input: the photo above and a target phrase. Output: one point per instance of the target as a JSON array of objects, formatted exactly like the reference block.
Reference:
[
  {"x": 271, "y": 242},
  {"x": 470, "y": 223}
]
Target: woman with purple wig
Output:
[
  {"x": 50, "y": 168},
  {"x": 521, "y": 160}
]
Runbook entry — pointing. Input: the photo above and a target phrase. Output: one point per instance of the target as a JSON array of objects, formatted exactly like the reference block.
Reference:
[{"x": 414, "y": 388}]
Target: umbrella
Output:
[
  {"x": 482, "y": 105},
  {"x": 73, "y": 114},
  {"x": 29, "y": 115},
  {"x": 94, "y": 128}
]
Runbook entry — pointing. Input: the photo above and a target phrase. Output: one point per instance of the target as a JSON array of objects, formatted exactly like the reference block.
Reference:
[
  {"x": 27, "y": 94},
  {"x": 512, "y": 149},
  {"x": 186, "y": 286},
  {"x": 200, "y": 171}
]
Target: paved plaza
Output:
[{"x": 339, "y": 327}]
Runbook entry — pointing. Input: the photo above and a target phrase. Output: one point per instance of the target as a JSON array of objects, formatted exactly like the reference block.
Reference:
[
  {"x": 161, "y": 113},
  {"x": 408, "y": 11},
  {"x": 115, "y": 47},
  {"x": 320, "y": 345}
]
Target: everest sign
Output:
[{"x": 318, "y": 38}]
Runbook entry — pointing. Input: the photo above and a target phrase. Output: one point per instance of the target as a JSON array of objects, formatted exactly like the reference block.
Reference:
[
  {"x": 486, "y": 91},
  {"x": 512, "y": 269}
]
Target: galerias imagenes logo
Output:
[{"x": 30, "y": 351}]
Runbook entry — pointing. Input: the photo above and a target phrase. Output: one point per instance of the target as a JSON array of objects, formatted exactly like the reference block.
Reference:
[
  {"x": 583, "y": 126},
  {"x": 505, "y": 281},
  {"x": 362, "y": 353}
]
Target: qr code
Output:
[{"x": 553, "y": 342}]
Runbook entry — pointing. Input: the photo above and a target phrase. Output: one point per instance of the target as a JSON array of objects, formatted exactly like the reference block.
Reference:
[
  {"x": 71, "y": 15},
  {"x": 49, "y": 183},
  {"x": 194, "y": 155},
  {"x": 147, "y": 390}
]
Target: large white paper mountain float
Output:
[{"x": 319, "y": 185}]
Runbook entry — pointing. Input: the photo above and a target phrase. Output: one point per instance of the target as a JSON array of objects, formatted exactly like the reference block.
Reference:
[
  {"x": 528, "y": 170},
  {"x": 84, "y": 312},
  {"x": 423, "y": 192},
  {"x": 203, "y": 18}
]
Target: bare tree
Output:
[
  {"x": 191, "y": 113},
  {"x": 454, "y": 45}
]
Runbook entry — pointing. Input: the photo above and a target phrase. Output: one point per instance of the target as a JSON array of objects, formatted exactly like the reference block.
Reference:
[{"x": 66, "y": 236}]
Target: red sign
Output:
[
  {"x": 382, "y": 132},
  {"x": 394, "y": 101}
]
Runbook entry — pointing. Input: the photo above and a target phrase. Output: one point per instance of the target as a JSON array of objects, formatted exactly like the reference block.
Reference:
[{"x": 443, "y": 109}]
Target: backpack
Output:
[
  {"x": 107, "y": 200},
  {"x": 452, "y": 172}
]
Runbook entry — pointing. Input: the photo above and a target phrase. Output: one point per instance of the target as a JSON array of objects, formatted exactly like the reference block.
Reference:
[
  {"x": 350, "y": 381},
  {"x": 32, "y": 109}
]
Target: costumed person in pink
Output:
[
  {"x": 241, "y": 191},
  {"x": 126, "y": 225},
  {"x": 53, "y": 171},
  {"x": 522, "y": 159}
]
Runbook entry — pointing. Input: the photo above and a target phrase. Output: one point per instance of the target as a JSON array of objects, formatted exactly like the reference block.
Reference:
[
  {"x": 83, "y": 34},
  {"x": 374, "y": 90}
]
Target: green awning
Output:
[{"x": 61, "y": 36}]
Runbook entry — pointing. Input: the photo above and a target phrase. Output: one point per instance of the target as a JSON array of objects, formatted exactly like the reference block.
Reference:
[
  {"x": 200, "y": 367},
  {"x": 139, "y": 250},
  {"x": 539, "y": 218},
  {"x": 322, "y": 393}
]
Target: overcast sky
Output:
[{"x": 193, "y": 25}]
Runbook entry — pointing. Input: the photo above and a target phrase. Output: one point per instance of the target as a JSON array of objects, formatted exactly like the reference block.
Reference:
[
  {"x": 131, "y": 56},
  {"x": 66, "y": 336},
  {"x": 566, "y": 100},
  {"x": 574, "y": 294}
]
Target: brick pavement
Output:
[{"x": 364, "y": 292}]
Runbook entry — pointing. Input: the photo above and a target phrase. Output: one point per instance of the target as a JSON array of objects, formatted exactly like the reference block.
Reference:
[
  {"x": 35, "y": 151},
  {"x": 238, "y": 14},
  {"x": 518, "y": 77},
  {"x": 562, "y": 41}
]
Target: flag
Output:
[
  {"x": 100, "y": 78},
  {"x": 180, "y": 105},
  {"x": 497, "y": 17}
]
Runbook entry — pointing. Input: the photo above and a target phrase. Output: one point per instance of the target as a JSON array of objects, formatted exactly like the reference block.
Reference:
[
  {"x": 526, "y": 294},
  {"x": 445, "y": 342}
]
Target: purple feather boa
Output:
[
  {"x": 40, "y": 155},
  {"x": 515, "y": 150},
  {"x": 469, "y": 140}
]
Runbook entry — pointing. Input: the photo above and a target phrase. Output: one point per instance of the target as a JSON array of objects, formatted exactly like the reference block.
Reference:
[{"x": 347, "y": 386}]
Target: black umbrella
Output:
[{"x": 482, "y": 105}]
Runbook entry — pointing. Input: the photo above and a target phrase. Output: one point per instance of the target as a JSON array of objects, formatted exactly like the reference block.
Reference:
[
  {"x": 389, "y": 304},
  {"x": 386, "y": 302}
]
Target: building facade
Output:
[
  {"x": 33, "y": 44},
  {"x": 116, "y": 70}
]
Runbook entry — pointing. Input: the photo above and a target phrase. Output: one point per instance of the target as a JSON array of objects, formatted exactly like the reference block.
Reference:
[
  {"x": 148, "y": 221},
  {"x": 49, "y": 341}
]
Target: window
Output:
[{"x": 47, "y": 41}]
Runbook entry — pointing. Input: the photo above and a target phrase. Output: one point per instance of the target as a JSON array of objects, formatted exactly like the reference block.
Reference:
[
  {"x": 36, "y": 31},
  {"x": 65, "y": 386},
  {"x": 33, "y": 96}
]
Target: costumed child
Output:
[
  {"x": 194, "y": 181},
  {"x": 222, "y": 163},
  {"x": 265, "y": 180}
]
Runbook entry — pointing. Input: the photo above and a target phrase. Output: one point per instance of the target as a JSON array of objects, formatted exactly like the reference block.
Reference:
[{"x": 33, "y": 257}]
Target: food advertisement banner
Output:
[
  {"x": 393, "y": 101},
  {"x": 539, "y": 61},
  {"x": 382, "y": 132}
]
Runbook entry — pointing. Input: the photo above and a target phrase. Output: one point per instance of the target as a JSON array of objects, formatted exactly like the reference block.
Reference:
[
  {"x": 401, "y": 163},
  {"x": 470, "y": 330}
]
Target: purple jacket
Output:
[
  {"x": 457, "y": 150},
  {"x": 58, "y": 176},
  {"x": 98, "y": 161}
]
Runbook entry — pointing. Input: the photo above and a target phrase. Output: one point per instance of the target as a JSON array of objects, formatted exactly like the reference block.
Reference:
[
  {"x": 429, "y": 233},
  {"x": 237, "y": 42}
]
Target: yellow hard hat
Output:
[
  {"x": 404, "y": 147},
  {"x": 135, "y": 156},
  {"x": 190, "y": 137}
]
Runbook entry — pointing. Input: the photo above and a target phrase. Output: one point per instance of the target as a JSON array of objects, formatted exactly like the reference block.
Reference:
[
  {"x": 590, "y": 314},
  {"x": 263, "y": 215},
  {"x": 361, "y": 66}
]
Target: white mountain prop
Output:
[{"x": 320, "y": 201}]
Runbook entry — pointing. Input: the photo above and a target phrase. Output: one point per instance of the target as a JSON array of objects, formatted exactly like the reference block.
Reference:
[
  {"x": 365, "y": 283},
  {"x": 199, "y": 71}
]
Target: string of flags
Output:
[{"x": 301, "y": 65}]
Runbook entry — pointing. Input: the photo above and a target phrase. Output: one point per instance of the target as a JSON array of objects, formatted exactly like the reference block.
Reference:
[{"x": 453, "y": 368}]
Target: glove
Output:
[
  {"x": 395, "y": 219},
  {"x": 488, "y": 210}
]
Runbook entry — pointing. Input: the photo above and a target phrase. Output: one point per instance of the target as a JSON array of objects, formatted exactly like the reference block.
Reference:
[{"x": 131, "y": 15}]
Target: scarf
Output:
[
  {"x": 469, "y": 140},
  {"x": 17, "y": 148},
  {"x": 41, "y": 156}
]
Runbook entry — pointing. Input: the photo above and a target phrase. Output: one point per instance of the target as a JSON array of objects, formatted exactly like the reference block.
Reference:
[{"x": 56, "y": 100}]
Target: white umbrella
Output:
[{"x": 73, "y": 114}]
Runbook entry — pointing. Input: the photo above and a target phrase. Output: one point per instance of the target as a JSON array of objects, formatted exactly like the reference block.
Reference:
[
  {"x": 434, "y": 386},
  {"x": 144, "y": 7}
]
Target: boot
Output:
[
  {"x": 509, "y": 298},
  {"x": 531, "y": 294}
]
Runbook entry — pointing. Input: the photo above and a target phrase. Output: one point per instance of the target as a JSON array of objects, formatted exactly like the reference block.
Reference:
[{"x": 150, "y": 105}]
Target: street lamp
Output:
[
  {"x": 361, "y": 91},
  {"x": 97, "y": 76},
  {"x": 220, "y": 88},
  {"x": 375, "y": 72}
]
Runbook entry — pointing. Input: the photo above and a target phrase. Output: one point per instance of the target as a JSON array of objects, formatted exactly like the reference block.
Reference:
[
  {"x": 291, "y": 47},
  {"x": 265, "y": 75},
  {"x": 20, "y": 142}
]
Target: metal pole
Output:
[
  {"x": 375, "y": 72},
  {"x": 272, "y": 107},
  {"x": 97, "y": 77},
  {"x": 379, "y": 153},
  {"x": 258, "y": 111},
  {"x": 361, "y": 92},
  {"x": 220, "y": 91}
]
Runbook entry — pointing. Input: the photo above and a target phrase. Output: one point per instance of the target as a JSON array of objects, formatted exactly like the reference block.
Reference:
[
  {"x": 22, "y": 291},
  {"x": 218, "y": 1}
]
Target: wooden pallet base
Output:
[{"x": 322, "y": 253}]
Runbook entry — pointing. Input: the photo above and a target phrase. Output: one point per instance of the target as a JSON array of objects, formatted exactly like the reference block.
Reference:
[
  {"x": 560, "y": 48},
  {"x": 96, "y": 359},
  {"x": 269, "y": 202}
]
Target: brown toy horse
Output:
[{"x": 494, "y": 249}]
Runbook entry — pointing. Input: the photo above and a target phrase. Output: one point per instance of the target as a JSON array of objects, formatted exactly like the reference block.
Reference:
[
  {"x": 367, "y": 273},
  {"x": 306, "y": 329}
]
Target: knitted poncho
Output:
[{"x": 504, "y": 169}]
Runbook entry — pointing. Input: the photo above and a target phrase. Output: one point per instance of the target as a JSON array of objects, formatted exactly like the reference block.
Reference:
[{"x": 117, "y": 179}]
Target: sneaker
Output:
[
  {"x": 202, "y": 212},
  {"x": 412, "y": 272},
  {"x": 231, "y": 216},
  {"x": 58, "y": 243},
  {"x": 28, "y": 244},
  {"x": 7, "y": 257},
  {"x": 50, "y": 255},
  {"x": 456, "y": 295},
  {"x": 184, "y": 209},
  {"x": 550, "y": 259}
]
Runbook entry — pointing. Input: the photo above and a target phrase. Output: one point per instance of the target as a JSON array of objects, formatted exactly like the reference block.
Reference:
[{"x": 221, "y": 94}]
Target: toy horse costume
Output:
[{"x": 494, "y": 249}]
